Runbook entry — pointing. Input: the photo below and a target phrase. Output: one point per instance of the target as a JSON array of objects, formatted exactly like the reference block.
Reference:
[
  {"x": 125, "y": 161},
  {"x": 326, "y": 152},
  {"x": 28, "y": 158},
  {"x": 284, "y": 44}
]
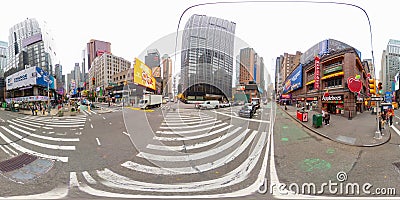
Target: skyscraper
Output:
[
  {"x": 152, "y": 59},
  {"x": 96, "y": 48},
  {"x": 3, "y": 57},
  {"x": 77, "y": 75},
  {"x": 31, "y": 43},
  {"x": 207, "y": 57},
  {"x": 390, "y": 64},
  {"x": 167, "y": 76},
  {"x": 59, "y": 81}
]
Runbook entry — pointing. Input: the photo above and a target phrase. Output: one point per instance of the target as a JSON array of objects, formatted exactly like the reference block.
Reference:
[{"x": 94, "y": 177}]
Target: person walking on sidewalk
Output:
[
  {"x": 327, "y": 118},
  {"x": 390, "y": 115},
  {"x": 324, "y": 115}
]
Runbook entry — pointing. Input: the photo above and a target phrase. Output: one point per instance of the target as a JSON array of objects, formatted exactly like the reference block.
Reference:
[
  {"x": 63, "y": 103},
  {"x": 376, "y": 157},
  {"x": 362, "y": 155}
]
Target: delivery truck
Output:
[{"x": 150, "y": 101}]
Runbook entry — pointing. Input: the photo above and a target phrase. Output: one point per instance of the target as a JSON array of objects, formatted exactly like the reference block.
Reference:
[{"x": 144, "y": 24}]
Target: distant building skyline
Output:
[{"x": 390, "y": 64}]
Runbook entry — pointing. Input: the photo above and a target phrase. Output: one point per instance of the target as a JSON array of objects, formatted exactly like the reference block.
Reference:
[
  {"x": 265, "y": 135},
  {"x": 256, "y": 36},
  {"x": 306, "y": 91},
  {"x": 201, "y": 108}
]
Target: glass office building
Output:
[{"x": 207, "y": 58}]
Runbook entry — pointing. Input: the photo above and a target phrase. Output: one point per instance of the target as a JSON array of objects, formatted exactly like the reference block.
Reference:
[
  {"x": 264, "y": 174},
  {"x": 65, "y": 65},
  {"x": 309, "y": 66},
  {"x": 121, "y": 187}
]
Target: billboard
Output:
[
  {"x": 142, "y": 75},
  {"x": 156, "y": 72},
  {"x": 29, "y": 77},
  {"x": 294, "y": 81},
  {"x": 33, "y": 39}
]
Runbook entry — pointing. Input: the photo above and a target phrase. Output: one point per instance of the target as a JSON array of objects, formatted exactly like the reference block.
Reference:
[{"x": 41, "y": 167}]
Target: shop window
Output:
[{"x": 336, "y": 82}]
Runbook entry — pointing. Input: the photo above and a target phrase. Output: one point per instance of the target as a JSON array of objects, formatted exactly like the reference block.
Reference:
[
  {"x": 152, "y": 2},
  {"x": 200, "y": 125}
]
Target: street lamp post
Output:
[{"x": 47, "y": 79}]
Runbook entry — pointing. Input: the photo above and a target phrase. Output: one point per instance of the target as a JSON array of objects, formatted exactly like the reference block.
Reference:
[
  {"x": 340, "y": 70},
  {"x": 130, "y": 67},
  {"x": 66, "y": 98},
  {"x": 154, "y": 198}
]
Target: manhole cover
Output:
[{"x": 16, "y": 162}]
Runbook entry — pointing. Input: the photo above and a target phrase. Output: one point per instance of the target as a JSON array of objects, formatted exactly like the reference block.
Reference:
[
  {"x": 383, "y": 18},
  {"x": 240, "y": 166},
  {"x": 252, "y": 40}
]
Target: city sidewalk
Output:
[{"x": 359, "y": 131}]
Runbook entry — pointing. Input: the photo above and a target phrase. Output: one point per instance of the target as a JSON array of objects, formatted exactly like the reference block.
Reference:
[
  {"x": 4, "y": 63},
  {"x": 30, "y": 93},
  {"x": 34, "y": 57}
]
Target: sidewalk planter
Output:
[{"x": 317, "y": 120}]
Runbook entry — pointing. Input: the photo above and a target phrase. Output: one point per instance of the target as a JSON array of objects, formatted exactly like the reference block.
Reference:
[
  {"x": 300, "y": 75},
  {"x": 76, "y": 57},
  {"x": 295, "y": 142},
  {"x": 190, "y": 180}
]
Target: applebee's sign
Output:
[
  {"x": 332, "y": 98},
  {"x": 354, "y": 84}
]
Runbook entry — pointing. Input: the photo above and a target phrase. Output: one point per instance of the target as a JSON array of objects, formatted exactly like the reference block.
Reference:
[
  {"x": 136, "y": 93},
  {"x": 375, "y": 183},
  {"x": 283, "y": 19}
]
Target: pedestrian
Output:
[
  {"x": 44, "y": 110},
  {"x": 391, "y": 114},
  {"x": 32, "y": 109},
  {"x": 324, "y": 115},
  {"x": 35, "y": 108},
  {"x": 327, "y": 118},
  {"x": 383, "y": 119}
]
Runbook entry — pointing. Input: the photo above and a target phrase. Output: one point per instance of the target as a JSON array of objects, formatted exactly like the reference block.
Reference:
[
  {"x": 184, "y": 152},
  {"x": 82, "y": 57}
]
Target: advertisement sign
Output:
[
  {"x": 388, "y": 97},
  {"x": 42, "y": 77},
  {"x": 32, "y": 39},
  {"x": 156, "y": 72},
  {"x": 294, "y": 81},
  {"x": 22, "y": 78},
  {"x": 142, "y": 75},
  {"x": 332, "y": 98},
  {"x": 316, "y": 73}
]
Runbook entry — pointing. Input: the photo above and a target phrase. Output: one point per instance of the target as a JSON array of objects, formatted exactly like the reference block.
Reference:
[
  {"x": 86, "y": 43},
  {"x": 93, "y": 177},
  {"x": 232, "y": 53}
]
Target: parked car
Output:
[
  {"x": 209, "y": 105},
  {"x": 246, "y": 111},
  {"x": 223, "y": 105}
]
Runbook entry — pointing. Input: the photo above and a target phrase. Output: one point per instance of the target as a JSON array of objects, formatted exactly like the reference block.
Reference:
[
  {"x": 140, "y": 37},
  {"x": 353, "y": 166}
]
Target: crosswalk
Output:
[
  {"x": 44, "y": 137},
  {"x": 186, "y": 143}
]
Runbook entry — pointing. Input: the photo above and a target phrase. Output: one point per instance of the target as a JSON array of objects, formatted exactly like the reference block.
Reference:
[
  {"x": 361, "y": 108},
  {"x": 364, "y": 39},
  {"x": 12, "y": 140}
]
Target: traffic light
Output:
[
  {"x": 372, "y": 86},
  {"x": 93, "y": 80},
  {"x": 380, "y": 91}
]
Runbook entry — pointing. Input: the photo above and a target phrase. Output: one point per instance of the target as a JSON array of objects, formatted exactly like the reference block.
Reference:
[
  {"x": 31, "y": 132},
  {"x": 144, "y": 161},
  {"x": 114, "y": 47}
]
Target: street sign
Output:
[{"x": 376, "y": 98}]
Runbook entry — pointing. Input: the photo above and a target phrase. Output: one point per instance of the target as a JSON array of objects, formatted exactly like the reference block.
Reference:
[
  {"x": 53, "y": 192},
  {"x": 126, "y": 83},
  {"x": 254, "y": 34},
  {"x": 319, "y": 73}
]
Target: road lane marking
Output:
[
  {"x": 2, "y": 148},
  {"x": 194, "y": 126},
  {"x": 73, "y": 180},
  {"x": 254, "y": 120},
  {"x": 200, "y": 155},
  {"x": 46, "y": 137},
  {"x": 39, "y": 144},
  {"x": 24, "y": 150},
  {"x": 104, "y": 118},
  {"x": 189, "y": 170},
  {"x": 63, "y": 126},
  {"x": 194, "y": 146},
  {"x": 192, "y": 137},
  {"x": 91, "y": 125},
  {"x": 395, "y": 129},
  {"x": 193, "y": 130},
  {"x": 31, "y": 129},
  {"x": 98, "y": 141},
  {"x": 89, "y": 178},
  {"x": 235, "y": 176},
  {"x": 186, "y": 123},
  {"x": 11, "y": 150},
  {"x": 28, "y": 124}
]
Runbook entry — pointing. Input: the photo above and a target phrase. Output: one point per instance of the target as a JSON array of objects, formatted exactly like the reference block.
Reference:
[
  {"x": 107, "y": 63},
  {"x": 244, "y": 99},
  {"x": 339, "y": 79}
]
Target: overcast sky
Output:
[{"x": 270, "y": 28}]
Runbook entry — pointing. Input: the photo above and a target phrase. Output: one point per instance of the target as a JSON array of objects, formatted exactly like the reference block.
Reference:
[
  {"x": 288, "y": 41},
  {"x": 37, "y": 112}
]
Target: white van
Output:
[{"x": 209, "y": 105}]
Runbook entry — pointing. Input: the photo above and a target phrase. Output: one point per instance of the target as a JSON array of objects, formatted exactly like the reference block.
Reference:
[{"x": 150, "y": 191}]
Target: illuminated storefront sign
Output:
[{"x": 316, "y": 73}]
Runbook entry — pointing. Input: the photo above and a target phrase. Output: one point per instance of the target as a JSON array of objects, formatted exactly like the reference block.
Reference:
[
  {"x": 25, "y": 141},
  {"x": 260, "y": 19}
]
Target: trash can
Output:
[
  {"x": 317, "y": 120},
  {"x": 302, "y": 115}
]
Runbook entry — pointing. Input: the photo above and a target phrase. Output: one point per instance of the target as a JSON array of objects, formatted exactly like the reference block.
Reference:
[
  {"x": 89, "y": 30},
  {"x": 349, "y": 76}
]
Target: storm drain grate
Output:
[{"x": 16, "y": 162}]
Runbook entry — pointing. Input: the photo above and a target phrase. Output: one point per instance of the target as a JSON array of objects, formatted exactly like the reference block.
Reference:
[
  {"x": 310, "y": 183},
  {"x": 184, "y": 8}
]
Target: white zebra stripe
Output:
[
  {"x": 191, "y": 131},
  {"x": 39, "y": 144},
  {"x": 192, "y": 137},
  {"x": 195, "y": 156},
  {"x": 24, "y": 150}
]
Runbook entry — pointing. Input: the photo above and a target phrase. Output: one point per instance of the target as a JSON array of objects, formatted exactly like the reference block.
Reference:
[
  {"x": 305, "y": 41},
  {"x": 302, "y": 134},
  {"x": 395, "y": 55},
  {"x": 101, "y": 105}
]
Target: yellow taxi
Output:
[{"x": 395, "y": 105}]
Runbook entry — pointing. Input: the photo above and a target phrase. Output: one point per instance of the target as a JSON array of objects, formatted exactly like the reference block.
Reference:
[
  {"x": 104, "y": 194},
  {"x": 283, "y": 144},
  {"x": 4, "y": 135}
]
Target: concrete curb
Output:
[{"x": 332, "y": 139}]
